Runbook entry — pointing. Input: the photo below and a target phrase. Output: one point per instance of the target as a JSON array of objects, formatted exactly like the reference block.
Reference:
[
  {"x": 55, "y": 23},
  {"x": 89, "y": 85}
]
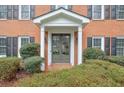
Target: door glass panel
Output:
[{"x": 60, "y": 48}]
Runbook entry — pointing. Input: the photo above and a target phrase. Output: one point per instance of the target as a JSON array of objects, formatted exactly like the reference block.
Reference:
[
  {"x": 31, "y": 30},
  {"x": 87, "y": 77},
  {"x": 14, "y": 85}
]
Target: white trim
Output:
[
  {"x": 102, "y": 12},
  {"x": 20, "y": 15},
  {"x": 61, "y": 11},
  {"x": 19, "y": 43},
  {"x": 61, "y": 25},
  {"x": 42, "y": 41},
  {"x": 57, "y": 6},
  {"x": 80, "y": 50},
  {"x": 71, "y": 32},
  {"x": 102, "y": 42}
]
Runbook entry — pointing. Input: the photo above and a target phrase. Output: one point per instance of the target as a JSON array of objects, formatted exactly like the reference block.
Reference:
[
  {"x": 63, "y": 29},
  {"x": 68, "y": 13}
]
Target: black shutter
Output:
[
  {"x": 53, "y": 7},
  {"x": 107, "y": 45},
  {"x": 15, "y": 11},
  {"x": 32, "y": 39},
  {"x": 113, "y": 11},
  {"x": 15, "y": 46},
  {"x": 9, "y": 12},
  {"x": 89, "y": 11},
  {"x": 9, "y": 46},
  {"x": 107, "y": 11},
  {"x": 69, "y": 7},
  {"x": 32, "y": 11},
  {"x": 89, "y": 42},
  {"x": 113, "y": 46}
]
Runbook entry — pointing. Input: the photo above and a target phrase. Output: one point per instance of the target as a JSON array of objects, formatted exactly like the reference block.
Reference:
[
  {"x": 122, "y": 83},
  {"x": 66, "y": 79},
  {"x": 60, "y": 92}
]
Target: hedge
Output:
[
  {"x": 8, "y": 68},
  {"x": 33, "y": 64},
  {"x": 115, "y": 59}
]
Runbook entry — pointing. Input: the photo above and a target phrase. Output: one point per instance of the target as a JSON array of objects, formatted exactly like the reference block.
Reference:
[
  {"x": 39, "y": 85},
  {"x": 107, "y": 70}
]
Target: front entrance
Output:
[{"x": 61, "y": 48}]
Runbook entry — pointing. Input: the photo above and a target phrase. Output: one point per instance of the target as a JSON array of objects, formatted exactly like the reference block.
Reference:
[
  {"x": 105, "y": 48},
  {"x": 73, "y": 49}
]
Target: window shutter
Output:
[
  {"x": 15, "y": 46},
  {"x": 9, "y": 12},
  {"x": 15, "y": 11},
  {"x": 89, "y": 11},
  {"x": 107, "y": 11},
  {"x": 32, "y": 39},
  {"x": 113, "y": 46},
  {"x": 69, "y": 7},
  {"x": 89, "y": 42},
  {"x": 107, "y": 45},
  {"x": 53, "y": 7},
  {"x": 113, "y": 11},
  {"x": 32, "y": 11},
  {"x": 9, "y": 46}
]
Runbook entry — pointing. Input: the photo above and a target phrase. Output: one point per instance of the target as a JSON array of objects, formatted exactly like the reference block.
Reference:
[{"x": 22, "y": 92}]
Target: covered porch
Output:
[{"x": 61, "y": 38}]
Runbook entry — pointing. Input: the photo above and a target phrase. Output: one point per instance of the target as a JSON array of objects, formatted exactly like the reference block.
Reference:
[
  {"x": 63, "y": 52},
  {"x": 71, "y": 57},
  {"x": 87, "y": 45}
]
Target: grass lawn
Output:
[{"x": 91, "y": 73}]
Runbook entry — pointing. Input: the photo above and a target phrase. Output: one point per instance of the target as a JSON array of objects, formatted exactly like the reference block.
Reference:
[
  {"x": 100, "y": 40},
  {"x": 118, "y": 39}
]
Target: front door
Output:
[{"x": 60, "y": 48}]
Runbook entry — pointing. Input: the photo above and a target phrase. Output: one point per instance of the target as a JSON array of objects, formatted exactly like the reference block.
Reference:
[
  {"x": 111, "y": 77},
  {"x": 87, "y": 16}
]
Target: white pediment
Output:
[{"x": 61, "y": 16}]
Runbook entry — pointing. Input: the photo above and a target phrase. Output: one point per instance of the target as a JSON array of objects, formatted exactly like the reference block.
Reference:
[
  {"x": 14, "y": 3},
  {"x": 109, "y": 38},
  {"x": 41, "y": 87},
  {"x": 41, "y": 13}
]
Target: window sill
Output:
[
  {"x": 120, "y": 19},
  {"x": 3, "y": 56},
  {"x": 3, "y": 19},
  {"x": 98, "y": 19}
]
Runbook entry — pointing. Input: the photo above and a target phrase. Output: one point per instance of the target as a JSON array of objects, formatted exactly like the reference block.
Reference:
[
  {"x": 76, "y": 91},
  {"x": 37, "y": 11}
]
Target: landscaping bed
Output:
[{"x": 93, "y": 73}]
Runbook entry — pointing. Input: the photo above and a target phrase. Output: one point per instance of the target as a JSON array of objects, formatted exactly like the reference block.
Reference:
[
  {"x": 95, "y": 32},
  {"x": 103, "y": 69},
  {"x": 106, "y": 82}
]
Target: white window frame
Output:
[
  {"x": 102, "y": 42},
  {"x": 6, "y": 46},
  {"x": 20, "y": 13},
  {"x": 19, "y": 43},
  {"x": 102, "y": 13},
  {"x": 57, "y": 6}
]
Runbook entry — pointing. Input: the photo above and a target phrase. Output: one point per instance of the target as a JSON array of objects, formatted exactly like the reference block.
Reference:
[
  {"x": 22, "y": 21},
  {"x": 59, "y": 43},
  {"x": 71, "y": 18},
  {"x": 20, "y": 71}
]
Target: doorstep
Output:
[{"x": 59, "y": 66}]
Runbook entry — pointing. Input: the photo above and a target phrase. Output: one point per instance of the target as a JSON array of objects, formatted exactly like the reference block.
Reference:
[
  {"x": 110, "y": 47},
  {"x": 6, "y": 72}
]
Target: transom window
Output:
[
  {"x": 97, "y": 12},
  {"x": 120, "y": 12},
  {"x": 25, "y": 11},
  {"x": 120, "y": 47},
  {"x": 2, "y": 46},
  {"x": 3, "y": 11}
]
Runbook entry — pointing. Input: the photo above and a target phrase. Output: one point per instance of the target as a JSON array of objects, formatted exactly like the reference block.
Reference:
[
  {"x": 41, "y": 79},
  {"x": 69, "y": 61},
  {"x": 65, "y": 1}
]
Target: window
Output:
[
  {"x": 2, "y": 46},
  {"x": 3, "y": 11},
  {"x": 97, "y": 12},
  {"x": 120, "y": 12},
  {"x": 98, "y": 42},
  {"x": 120, "y": 47},
  {"x": 24, "y": 40},
  {"x": 25, "y": 12}
]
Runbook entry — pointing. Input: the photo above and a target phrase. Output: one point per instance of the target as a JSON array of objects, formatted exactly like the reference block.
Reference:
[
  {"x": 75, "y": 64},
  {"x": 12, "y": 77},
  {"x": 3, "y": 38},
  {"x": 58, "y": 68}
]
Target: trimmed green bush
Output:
[
  {"x": 29, "y": 50},
  {"x": 8, "y": 68},
  {"x": 32, "y": 64},
  {"x": 93, "y": 53},
  {"x": 115, "y": 59},
  {"x": 93, "y": 73}
]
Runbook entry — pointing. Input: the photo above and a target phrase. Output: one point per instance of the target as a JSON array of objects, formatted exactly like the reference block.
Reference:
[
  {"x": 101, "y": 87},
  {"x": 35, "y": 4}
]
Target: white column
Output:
[
  {"x": 42, "y": 41},
  {"x": 72, "y": 49},
  {"x": 80, "y": 45}
]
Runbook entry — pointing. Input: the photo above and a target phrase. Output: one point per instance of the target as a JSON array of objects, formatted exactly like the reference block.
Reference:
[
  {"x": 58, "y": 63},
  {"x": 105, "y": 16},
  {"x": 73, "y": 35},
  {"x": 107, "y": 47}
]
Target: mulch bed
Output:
[{"x": 19, "y": 75}]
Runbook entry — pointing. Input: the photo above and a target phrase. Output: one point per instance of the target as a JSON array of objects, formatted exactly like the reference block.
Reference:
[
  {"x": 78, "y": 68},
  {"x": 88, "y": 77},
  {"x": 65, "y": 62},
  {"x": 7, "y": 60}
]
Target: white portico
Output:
[{"x": 61, "y": 37}]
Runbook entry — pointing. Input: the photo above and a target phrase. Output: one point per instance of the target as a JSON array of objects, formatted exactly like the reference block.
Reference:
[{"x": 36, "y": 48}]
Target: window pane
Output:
[
  {"x": 120, "y": 11},
  {"x": 24, "y": 41},
  {"x": 120, "y": 47},
  {"x": 25, "y": 13},
  {"x": 97, "y": 11},
  {"x": 3, "y": 11},
  {"x": 2, "y": 46},
  {"x": 97, "y": 43}
]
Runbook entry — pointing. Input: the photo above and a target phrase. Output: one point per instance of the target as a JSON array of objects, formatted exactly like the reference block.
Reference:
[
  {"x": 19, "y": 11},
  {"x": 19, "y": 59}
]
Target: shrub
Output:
[
  {"x": 93, "y": 53},
  {"x": 32, "y": 64},
  {"x": 115, "y": 59},
  {"x": 29, "y": 50},
  {"x": 92, "y": 73},
  {"x": 8, "y": 68}
]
